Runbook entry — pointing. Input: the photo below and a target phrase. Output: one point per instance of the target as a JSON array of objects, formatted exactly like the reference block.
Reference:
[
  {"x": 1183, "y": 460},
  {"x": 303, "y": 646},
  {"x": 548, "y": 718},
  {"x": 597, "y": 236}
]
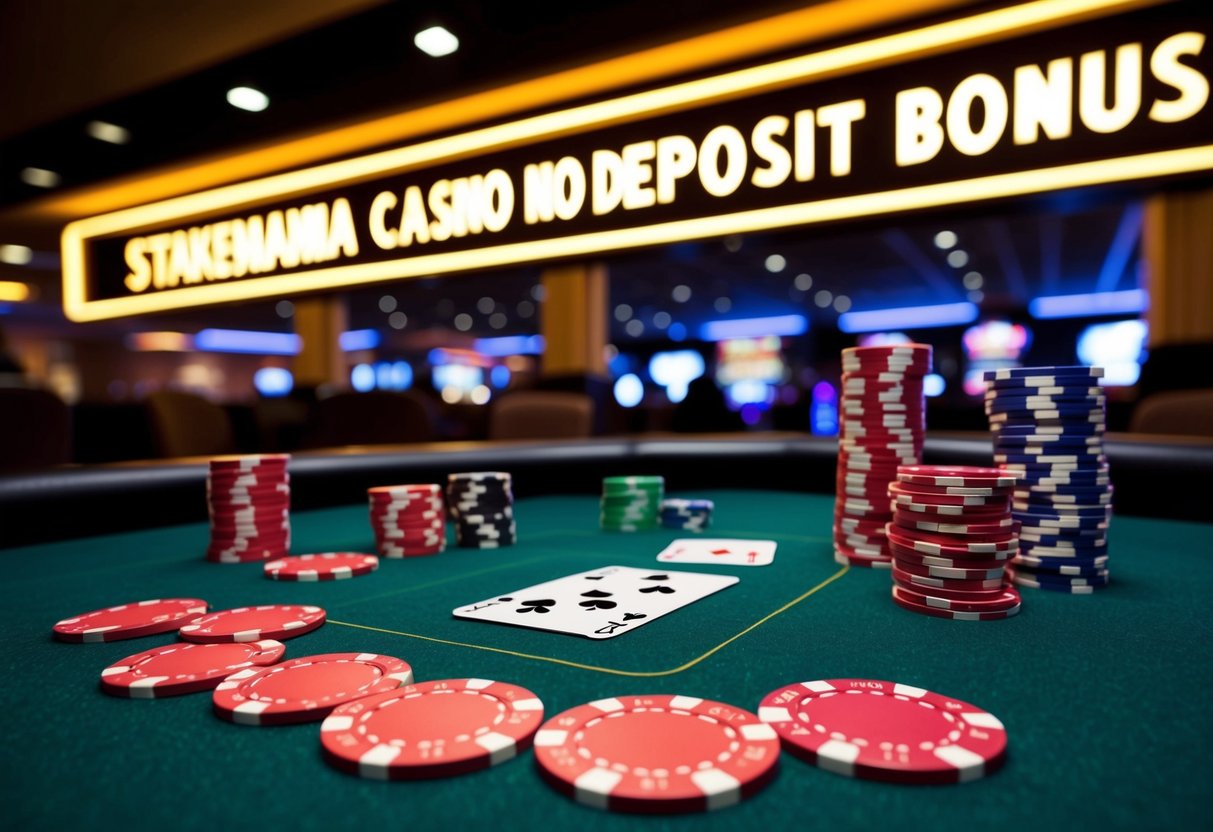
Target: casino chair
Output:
[
  {"x": 1178, "y": 412},
  {"x": 542, "y": 414},
  {"x": 375, "y": 418},
  {"x": 35, "y": 429},
  {"x": 186, "y": 424}
]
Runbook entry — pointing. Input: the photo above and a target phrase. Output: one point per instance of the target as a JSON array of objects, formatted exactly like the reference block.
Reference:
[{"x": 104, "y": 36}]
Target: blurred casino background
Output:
[{"x": 737, "y": 333}]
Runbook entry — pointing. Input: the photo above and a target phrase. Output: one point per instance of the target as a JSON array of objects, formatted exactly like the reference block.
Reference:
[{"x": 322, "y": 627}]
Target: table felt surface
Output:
[{"x": 1105, "y": 697}]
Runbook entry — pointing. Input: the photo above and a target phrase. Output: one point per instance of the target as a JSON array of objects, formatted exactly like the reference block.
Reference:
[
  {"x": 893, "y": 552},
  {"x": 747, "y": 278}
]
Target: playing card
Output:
[
  {"x": 725, "y": 552},
  {"x": 601, "y": 603}
]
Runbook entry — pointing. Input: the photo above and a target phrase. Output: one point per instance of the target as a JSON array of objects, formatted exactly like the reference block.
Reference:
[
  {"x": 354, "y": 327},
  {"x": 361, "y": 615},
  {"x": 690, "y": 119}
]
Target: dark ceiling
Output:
[{"x": 364, "y": 63}]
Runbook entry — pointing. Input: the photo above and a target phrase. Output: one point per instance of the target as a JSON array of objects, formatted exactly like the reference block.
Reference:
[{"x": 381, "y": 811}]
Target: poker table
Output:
[{"x": 1104, "y": 697}]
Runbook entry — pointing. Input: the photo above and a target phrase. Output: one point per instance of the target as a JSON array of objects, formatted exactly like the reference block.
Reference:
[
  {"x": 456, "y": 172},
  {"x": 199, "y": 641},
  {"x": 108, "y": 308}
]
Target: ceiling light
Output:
[
  {"x": 103, "y": 131},
  {"x": 16, "y": 255},
  {"x": 436, "y": 41},
  {"x": 12, "y": 291},
  {"x": 958, "y": 259},
  {"x": 40, "y": 177},
  {"x": 946, "y": 239},
  {"x": 247, "y": 98},
  {"x": 776, "y": 263}
]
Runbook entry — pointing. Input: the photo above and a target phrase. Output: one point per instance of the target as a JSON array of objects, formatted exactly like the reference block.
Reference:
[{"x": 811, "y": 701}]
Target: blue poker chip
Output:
[
  {"x": 1047, "y": 464},
  {"x": 1094, "y": 529},
  {"x": 1061, "y": 562},
  {"x": 1061, "y": 545},
  {"x": 1060, "y": 391},
  {"x": 1061, "y": 573},
  {"x": 1008, "y": 373},
  {"x": 994, "y": 397},
  {"x": 1064, "y": 491},
  {"x": 1077, "y": 586},
  {"x": 1046, "y": 476},
  {"x": 1020, "y": 412},
  {"x": 1032, "y": 429},
  {"x": 1049, "y": 441},
  {"x": 1062, "y": 510}
]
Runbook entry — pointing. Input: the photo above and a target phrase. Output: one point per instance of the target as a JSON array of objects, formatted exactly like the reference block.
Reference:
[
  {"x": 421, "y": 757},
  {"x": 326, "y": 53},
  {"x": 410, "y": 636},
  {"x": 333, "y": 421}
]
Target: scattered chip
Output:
[
  {"x": 142, "y": 618},
  {"x": 178, "y": 668},
  {"x": 278, "y": 621}
]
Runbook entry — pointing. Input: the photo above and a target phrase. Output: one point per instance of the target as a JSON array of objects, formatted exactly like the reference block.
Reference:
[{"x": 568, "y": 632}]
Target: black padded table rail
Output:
[{"x": 1153, "y": 477}]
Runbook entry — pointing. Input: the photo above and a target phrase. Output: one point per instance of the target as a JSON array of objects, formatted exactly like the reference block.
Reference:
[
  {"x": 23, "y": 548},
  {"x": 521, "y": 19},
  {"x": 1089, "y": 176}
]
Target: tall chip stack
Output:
[
  {"x": 1048, "y": 425},
  {"x": 249, "y": 503},
  {"x": 408, "y": 520},
  {"x": 631, "y": 504},
  {"x": 882, "y": 422},
  {"x": 482, "y": 506},
  {"x": 952, "y": 535}
]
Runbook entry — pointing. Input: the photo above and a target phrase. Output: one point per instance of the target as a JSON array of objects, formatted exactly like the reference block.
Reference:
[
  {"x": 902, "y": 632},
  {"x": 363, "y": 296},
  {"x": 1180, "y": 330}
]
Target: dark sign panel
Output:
[{"x": 900, "y": 123}]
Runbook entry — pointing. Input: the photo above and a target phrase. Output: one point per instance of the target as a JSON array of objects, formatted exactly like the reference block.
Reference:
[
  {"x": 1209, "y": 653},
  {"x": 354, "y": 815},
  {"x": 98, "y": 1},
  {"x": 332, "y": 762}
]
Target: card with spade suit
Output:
[
  {"x": 601, "y": 603},
  {"x": 724, "y": 552}
]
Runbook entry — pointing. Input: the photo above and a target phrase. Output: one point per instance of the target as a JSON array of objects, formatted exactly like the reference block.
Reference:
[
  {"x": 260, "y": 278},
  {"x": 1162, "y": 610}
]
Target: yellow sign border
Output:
[{"x": 885, "y": 50}]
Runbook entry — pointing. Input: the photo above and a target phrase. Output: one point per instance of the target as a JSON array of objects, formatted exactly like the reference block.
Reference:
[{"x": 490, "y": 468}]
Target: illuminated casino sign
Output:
[{"x": 1033, "y": 98}]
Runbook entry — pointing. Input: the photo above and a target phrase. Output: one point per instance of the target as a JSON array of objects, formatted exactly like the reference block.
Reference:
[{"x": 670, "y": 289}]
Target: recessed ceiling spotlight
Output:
[
  {"x": 436, "y": 41},
  {"x": 776, "y": 263},
  {"x": 247, "y": 98},
  {"x": 958, "y": 258},
  {"x": 16, "y": 255},
  {"x": 40, "y": 177},
  {"x": 946, "y": 239},
  {"x": 103, "y": 131}
]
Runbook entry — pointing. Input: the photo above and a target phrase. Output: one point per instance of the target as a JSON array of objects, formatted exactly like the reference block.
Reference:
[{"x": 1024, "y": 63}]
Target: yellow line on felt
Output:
[{"x": 611, "y": 670}]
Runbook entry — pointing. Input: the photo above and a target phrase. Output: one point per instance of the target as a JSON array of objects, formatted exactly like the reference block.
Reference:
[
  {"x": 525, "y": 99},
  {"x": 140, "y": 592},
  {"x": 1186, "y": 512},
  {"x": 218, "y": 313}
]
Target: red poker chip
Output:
[
  {"x": 246, "y": 461},
  {"x": 946, "y": 586},
  {"x": 431, "y": 729},
  {"x": 948, "y": 545},
  {"x": 957, "y": 475},
  {"x": 919, "y": 491},
  {"x": 397, "y": 553},
  {"x": 945, "y": 596},
  {"x": 176, "y": 669},
  {"x": 904, "y": 492},
  {"x": 861, "y": 545},
  {"x": 952, "y": 573},
  {"x": 140, "y": 618},
  {"x": 325, "y": 566},
  {"x": 918, "y": 529},
  {"x": 879, "y": 730},
  {"x": 955, "y": 615},
  {"x": 306, "y": 689},
  {"x": 657, "y": 753},
  {"x": 1004, "y": 599},
  {"x": 842, "y": 557},
  {"x": 277, "y": 621},
  {"x": 970, "y": 515},
  {"x": 980, "y": 563},
  {"x": 943, "y": 525}
]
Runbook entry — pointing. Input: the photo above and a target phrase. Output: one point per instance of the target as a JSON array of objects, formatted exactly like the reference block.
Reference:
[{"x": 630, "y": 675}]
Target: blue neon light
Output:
[
  {"x": 754, "y": 327},
  {"x": 908, "y": 317},
  {"x": 359, "y": 339},
  {"x": 273, "y": 382},
  {"x": 509, "y": 345},
  {"x": 248, "y": 342},
  {"x": 1127, "y": 302}
]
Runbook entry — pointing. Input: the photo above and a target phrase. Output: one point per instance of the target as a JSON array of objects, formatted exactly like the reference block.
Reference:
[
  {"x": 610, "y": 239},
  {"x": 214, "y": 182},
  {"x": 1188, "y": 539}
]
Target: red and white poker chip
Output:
[
  {"x": 276, "y": 621},
  {"x": 657, "y": 753},
  {"x": 881, "y": 730},
  {"x": 141, "y": 618},
  {"x": 431, "y": 729},
  {"x": 306, "y": 689},
  {"x": 176, "y": 669},
  {"x": 323, "y": 566}
]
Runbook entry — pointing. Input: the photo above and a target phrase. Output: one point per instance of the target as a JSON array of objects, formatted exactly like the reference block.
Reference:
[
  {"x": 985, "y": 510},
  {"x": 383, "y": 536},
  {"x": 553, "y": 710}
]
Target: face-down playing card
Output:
[{"x": 601, "y": 603}]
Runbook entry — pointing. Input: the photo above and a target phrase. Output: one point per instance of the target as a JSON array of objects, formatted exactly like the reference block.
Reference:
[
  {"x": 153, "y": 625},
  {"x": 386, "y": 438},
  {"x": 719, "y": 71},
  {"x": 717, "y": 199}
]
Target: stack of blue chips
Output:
[
  {"x": 688, "y": 515},
  {"x": 1048, "y": 425}
]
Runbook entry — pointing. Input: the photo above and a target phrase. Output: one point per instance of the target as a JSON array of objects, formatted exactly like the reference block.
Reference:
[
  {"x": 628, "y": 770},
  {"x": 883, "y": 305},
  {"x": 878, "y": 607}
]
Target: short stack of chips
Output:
[
  {"x": 882, "y": 421},
  {"x": 631, "y": 504},
  {"x": 688, "y": 515},
  {"x": 951, "y": 537},
  {"x": 482, "y": 505},
  {"x": 1048, "y": 425},
  {"x": 249, "y": 501},
  {"x": 408, "y": 520}
]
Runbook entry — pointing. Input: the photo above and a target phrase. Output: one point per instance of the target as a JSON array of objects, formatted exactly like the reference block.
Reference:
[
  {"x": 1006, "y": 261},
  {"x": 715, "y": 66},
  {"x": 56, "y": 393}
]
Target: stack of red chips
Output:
[
  {"x": 408, "y": 520},
  {"x": 249, "y": 499},
  {"x": 882, "y": 422},
  {"x": 951, "y": 536}
]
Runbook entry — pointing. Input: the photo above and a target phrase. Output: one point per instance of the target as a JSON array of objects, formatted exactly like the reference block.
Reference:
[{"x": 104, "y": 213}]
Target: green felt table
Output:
[{"x": 1105, "y": 697}]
